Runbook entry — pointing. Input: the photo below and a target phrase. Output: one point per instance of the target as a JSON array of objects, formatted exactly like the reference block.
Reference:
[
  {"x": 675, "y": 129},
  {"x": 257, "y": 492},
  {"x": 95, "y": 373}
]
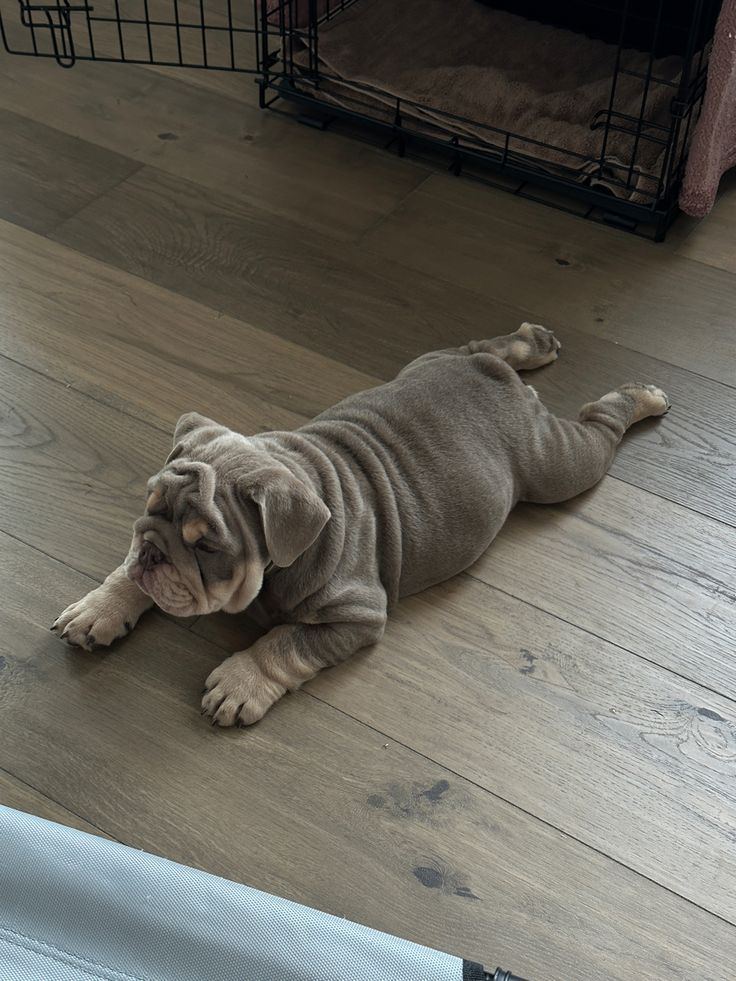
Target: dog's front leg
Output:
[
  {"x": 244, "y": 687},
  {"x": 102, "y": 616}
]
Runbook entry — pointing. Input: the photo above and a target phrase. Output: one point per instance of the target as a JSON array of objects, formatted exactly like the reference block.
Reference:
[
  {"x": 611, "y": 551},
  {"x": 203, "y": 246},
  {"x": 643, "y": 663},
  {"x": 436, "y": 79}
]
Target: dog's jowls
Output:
[{"x": 325, "y": 528}]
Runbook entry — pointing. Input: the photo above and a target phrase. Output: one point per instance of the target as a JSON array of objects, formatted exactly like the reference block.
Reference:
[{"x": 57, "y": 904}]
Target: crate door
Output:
[{"x": 230, "y": 35}]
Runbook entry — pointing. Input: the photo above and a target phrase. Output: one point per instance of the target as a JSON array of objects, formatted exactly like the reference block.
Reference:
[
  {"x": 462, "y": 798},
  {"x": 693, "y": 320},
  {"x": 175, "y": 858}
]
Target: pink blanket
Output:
[{"x": 713, "y": 145}]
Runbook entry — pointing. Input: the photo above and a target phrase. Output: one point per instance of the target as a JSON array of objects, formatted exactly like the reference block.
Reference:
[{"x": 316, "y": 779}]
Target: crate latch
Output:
[{"x": 56, "y": 19}]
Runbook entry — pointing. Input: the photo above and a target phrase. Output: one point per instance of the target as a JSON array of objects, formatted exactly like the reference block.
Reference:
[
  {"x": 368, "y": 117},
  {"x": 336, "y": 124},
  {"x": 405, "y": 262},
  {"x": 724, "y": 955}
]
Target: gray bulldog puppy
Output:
[{"x": 389, "y": 492}]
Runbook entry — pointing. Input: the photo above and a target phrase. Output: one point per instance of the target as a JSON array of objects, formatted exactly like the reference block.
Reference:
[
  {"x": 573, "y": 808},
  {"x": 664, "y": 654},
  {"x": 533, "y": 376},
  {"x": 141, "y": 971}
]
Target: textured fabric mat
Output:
[{"x": 75, "y": 907}]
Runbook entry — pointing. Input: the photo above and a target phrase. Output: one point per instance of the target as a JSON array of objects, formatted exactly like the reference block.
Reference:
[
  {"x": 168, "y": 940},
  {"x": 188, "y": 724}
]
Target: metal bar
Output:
[
  {"x": 148, "y": 30},
  {"x": 204, "y": 33},
  {"x": 120, "y": 30},
  {"x": 231, "y": 32},
  {"x": 645, "y": 94},
  {"x": 622, "y": 34},
  {"x": 263, "y": 64},
  {"x": 314, "y": 32},
  {"x": 682, "y": 96},
  {"x": 166, "y": 23},
  {"x": 61, "y": 38},
  {"x": 178, "y": 30},
  {"x": 34, "y": 43},
  {"x": 90, "y": 34},
  {"x": 50, "y": 8}
]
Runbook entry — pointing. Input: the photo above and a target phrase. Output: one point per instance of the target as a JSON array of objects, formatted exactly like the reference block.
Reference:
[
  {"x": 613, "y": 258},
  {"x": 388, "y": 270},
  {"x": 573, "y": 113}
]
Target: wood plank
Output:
[
  {"x": 47, "y": 176},
  {"x": 339, "y": 186},
  {"x": 593, "y": 740},
  {"x": 712, "y": 240},
  {"x": 644, "y": 574},
  {"x": 689, "y": 458},
  {"x": 156, "y": 355},
  {"x": 617, "y": 286},
  {"x": 119, "y": 739},
  {"x": 72, "y": 472},
  {"x": 296, "y": 283},
  {"x": 372, "y": 314},
  {"x": 18, "y": 795}
]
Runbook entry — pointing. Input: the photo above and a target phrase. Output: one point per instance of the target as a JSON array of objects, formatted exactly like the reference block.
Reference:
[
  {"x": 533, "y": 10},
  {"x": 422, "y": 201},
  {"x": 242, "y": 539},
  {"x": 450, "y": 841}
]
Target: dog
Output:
[{"x": 323, "y": 529}]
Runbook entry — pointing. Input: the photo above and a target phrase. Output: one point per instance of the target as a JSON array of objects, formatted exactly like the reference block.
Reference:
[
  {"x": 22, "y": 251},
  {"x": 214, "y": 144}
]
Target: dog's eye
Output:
[{"x": 204, "y": 547}]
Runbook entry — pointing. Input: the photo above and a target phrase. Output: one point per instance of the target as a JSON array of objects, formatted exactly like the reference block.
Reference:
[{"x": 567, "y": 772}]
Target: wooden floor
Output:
[{"x": 537, "y": 767}]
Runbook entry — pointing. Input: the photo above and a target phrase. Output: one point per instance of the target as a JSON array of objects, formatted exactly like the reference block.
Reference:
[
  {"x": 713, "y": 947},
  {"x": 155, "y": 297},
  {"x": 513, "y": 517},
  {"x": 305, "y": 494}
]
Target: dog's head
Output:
[{"x": 220, "y": 511}]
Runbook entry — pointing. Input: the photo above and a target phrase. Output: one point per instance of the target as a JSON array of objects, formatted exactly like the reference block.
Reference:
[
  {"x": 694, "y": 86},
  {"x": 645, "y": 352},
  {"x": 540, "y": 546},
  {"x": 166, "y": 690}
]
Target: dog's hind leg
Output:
[
  {"x": 531, "y": 346},
  {"x": 561, "y": 458}
]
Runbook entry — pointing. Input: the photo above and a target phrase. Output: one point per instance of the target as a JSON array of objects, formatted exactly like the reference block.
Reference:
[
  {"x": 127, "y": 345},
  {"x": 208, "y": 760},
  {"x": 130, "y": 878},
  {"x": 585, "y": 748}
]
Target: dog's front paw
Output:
[
  {"x": 92, "y": 622},
  {"x": 102, "y": 616},
  {"x": 238, "y": 692}
]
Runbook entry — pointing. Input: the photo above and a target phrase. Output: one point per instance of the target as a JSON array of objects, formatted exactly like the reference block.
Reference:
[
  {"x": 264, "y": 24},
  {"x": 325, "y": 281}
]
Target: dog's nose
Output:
[{"x": 150, "y": 555}]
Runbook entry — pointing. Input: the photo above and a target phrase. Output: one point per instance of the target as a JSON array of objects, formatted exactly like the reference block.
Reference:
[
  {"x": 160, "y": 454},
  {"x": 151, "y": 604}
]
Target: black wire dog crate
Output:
[{"x": 588, "y": 104}]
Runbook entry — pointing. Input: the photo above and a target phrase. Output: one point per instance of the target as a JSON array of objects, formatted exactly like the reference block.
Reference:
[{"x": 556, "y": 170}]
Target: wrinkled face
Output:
[
  {"x": 190, "y": 565},
  {"x": 222, "y": 509}
]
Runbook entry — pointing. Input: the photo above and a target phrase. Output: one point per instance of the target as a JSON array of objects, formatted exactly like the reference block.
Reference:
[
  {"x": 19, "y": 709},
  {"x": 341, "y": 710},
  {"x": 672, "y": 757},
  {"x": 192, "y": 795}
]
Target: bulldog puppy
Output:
[{"x": 389, "y": 492}]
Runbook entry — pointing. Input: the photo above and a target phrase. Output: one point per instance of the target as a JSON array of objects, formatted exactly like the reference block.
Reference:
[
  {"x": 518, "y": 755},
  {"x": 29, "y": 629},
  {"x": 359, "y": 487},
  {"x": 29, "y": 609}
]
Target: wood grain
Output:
[
  {"x": 339, "y": 186},
  {"x": 155, "y": 354},
  {"x": 646, "y": 575},
  {"x": 436, "y": 859},
  {"x": 595, "y": 741},
  {"x": 238, "y": 258},
  {"x": 18, "y": 795},
  {"x": 620, "y": 287},
  {"x": 688, "y": 458},
  {"x": 72, "y": 472},
  {"x": 46, "y": 175}
]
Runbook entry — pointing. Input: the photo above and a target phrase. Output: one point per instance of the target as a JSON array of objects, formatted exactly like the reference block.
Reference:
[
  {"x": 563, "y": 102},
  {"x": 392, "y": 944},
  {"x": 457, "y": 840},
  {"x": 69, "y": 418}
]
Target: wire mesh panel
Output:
[
  {"x": 629, "y": 77},
  {"x": 217, "y": 34},
  {"x": 628, "y": 93}
]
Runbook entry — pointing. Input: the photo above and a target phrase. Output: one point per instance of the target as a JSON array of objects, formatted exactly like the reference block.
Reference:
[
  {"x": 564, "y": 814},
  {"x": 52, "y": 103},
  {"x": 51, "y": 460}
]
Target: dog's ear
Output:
[
  {"x": 186, "y": 430},
  {"x": 292, "y": 515},
  {"x": 191, "y": 421}
]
